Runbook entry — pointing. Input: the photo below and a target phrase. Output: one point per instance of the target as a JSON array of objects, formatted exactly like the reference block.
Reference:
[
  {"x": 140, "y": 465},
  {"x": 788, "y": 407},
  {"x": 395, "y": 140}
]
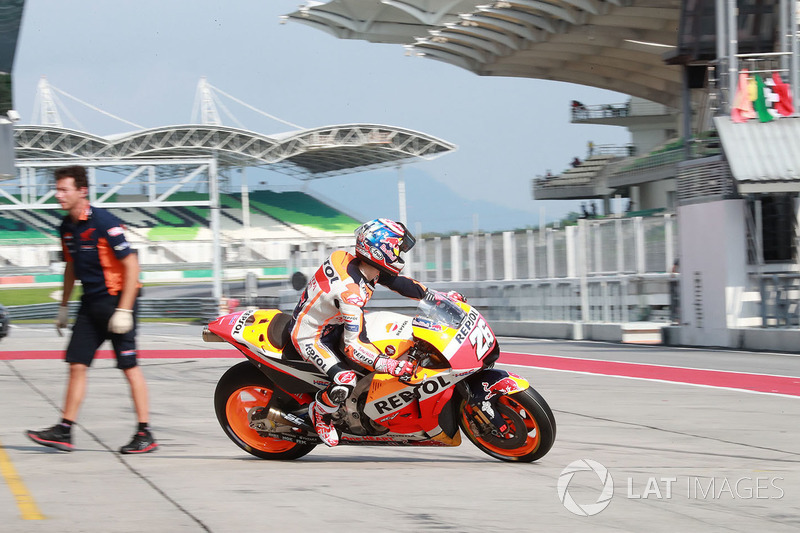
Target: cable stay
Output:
[
  {"x": 248, "y": 106},
  {"x": 47, "y": 105}
]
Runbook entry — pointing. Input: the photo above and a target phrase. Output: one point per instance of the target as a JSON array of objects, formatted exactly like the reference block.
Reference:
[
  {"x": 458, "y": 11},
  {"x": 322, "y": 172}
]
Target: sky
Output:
[{"x": 141, "y": 60}]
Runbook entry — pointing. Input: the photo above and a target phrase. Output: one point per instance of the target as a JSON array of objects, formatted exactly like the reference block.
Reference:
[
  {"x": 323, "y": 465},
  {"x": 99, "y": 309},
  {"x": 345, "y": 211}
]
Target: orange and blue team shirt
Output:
[{"x": 95, "y": 245}]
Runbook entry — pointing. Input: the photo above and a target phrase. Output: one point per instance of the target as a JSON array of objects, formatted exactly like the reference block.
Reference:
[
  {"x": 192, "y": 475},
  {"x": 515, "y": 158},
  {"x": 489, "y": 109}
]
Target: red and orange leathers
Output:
[{"x": 335, "y": 298}]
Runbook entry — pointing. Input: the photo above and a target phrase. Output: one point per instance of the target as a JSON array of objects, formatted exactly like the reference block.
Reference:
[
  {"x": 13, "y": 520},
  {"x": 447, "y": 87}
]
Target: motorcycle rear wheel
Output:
[
  {"x": 240, "y": 389},
  {"x": 525, "y": 411}
]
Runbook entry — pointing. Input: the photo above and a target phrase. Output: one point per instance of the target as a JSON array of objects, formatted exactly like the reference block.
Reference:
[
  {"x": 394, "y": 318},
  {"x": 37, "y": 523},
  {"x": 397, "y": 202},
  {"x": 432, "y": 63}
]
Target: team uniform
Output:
[
  {"x": 330, "y": 314},
  {"x": 332, "y": 308},
  {"x": 95, "y": 246}
]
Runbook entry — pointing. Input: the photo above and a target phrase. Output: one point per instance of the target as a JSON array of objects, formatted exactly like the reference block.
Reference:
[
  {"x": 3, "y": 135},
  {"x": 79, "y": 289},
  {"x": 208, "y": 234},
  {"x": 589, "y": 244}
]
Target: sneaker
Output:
[
  {"x": 58, "y": 436},
  {"x": 142, "y": 442},
  {"x": 325, "y": 430}
]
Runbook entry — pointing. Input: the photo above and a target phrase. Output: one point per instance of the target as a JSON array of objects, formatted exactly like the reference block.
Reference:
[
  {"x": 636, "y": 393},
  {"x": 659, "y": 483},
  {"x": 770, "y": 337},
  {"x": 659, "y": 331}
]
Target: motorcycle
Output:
[{"x": 262, "y": 403}]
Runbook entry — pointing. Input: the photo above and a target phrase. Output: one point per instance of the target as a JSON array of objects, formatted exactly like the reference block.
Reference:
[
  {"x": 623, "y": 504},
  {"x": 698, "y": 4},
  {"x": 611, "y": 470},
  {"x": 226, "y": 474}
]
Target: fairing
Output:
[{"x": 421, "y": 410}]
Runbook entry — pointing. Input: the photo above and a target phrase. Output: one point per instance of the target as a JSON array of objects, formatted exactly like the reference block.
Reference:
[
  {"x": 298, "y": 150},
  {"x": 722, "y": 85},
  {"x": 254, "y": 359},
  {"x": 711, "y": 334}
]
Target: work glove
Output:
[
  {"x": 387, "y": 365},
  {"x": 121, "y": 321},
  {"x": 62, "y": 319}
]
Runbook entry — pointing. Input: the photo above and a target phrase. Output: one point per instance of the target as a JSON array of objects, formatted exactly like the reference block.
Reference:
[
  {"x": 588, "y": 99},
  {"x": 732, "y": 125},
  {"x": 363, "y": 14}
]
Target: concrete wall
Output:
[
  {"x": 713, "y": 252},
  {"x": 655, "y": 194},
  {"x": 754, "y": 339}
]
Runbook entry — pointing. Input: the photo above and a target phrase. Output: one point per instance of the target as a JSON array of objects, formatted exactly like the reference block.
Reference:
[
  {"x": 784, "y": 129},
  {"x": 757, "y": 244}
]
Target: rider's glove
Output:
[
  {"x": 121, "y": 321},
  {"x": 387, "y": 365},
  {"x": 456, "y": 296},
  {"x": 63, "y": 318}
]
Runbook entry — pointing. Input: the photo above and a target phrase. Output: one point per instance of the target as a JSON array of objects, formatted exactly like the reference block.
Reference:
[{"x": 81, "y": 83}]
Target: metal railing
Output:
[
  {"x": 580, "y": 112},
  {"x": 779, "y": 299},
  {"x": 199, "y": 308}
]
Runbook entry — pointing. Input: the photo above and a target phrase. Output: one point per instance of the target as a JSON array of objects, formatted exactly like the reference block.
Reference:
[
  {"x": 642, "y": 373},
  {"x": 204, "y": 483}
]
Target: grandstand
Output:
[
  {"x": 180, "y": 230},
  {"x": 164, "y": 183},
  {"x": 582, "y": 177}
]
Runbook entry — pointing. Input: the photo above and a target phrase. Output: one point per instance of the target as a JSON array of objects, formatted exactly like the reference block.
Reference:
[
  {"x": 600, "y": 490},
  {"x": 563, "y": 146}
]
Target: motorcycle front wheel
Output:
[
  {"x": 532, "y": 428},
  {"x": 240, "y": 389}
]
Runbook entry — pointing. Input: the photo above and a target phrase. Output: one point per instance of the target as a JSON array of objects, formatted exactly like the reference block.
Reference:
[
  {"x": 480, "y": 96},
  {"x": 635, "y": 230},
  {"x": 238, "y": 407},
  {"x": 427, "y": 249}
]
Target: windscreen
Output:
[{"x": 439, "y": 309}]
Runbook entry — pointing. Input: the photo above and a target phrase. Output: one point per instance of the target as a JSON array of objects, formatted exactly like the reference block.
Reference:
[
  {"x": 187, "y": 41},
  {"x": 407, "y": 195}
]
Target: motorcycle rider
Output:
[{"x": 332, "y": 309}]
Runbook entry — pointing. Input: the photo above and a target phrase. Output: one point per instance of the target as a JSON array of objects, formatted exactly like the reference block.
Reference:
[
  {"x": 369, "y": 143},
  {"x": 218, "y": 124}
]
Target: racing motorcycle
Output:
[{"x": 262, "y": 403}]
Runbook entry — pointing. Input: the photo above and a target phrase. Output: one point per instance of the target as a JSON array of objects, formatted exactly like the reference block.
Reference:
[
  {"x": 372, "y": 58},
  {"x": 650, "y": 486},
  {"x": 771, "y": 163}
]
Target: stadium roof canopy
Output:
[
  {"x": 305, "y": 154},
  {"x": 611, "y": 44}
]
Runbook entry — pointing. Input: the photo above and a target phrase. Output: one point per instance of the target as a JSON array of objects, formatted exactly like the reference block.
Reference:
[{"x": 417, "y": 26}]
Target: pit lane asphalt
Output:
[{"x": 681, "y": 457}]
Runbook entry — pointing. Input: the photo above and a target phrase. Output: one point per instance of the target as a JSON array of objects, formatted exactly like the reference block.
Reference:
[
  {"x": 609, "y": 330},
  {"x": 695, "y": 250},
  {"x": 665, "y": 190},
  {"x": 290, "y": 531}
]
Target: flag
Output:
[
  {"x": 760, "y": 103},
  {"x": 771, "y": 98},
  {"x": 742, "y": 109},
  {"x": 784, "y": 105}
]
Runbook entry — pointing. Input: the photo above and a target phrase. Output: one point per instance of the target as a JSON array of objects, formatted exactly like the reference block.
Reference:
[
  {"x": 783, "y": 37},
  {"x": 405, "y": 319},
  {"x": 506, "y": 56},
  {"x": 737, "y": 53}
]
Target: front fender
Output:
[{"x": 492, "y": 383}]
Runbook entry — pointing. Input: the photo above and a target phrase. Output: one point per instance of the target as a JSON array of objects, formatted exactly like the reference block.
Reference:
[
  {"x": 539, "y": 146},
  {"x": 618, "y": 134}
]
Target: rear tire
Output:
[
  {"x": 239, "y": 389},
  {"x": 533, "y": 428}
]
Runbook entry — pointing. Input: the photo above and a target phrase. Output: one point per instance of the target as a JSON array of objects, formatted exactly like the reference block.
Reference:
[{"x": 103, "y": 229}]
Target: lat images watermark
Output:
[
  {"x": 664, "y": 488},
  {"x": 588, "y": 509}
]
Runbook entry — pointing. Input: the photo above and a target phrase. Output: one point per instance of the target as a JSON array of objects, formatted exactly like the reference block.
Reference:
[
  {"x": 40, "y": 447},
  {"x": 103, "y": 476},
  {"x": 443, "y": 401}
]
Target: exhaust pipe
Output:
[
  {"x": 268, "y": 419},
  {"x": 208, "y": 336}
]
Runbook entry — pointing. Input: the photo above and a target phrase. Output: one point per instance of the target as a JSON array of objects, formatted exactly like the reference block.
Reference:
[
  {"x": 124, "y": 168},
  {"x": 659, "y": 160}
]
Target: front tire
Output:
[
  {"x": 240, "y": 389},
  {"x": 531, "y": 422}
]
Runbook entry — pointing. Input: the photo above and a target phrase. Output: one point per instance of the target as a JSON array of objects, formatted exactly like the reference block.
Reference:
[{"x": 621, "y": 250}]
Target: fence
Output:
[
  {"x": 604, "y": 270},
  {"x": 779, "y": 296},
  {"x": 200, "y": 308},
  {"x": 600, "y": 270},
  {"x": 611, "y": 299},
  {"x": 600, "y": 247}
]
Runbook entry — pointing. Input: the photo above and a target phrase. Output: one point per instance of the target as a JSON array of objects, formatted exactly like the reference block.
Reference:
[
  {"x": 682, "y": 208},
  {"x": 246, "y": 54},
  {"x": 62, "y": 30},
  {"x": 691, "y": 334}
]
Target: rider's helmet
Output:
[{"x": 380, "y": 242}]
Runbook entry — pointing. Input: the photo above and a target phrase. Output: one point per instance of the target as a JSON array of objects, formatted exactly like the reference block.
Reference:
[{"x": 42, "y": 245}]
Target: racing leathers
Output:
[{"x": 332, "y": 308}]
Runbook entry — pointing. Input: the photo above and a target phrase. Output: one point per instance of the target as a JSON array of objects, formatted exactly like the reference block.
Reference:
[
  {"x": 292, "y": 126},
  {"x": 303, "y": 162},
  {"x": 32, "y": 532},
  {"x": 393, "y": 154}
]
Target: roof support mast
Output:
[{"x": 48, "y": 111}]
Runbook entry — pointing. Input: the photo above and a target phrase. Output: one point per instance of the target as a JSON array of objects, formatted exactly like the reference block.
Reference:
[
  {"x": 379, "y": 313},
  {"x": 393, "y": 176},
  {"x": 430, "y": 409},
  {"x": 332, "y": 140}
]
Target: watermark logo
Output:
[
  {"x": 583, "y": 465},
  {"x": 710, "y": 488}
]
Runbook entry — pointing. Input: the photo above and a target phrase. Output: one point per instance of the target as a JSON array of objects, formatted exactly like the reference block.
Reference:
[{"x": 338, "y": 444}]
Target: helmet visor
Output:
[{"x": 408, "y": 241}]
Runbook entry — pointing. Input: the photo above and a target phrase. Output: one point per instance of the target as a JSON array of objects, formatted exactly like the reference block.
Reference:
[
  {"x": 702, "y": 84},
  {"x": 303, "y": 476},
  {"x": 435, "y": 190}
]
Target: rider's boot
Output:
[
  {"x": 328, "y": 402},
  {"x": 320, "y": 414}
]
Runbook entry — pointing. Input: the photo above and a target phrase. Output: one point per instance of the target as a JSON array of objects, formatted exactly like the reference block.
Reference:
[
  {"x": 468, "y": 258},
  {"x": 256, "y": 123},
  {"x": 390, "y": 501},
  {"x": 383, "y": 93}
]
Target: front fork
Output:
[{"x": 482, "y": 391}]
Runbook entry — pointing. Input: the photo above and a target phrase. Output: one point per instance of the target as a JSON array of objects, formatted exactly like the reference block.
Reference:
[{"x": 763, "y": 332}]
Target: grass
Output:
[
  {"x": 171, "y": 320},
  {"x": 41, "y": 295},
  {"x": 25, "y": 296}
]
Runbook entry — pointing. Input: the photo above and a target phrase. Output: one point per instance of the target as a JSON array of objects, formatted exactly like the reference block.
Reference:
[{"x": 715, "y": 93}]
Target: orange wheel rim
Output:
[
  {"x": 531, "y": 427},
  {"x": 236, "y": 409}
]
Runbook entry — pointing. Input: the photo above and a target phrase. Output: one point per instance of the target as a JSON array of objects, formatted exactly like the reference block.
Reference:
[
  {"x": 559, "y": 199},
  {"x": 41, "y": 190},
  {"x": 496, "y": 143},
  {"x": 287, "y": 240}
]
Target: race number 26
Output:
[{"x": 481, "y": 339}]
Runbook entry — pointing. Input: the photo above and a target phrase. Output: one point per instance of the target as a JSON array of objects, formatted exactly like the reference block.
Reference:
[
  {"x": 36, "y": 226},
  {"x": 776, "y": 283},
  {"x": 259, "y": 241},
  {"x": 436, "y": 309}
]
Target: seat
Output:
[
  {"x": 278, "y": 335},
  {"x": 278, "y": 330}
]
